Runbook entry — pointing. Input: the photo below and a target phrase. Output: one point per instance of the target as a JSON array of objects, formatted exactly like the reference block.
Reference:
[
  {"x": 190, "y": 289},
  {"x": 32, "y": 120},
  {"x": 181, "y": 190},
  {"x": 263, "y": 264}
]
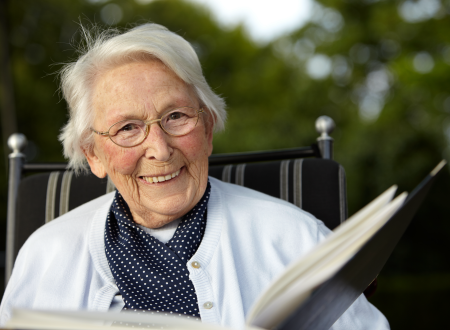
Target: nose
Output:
[{"x": 157, "y": 144}]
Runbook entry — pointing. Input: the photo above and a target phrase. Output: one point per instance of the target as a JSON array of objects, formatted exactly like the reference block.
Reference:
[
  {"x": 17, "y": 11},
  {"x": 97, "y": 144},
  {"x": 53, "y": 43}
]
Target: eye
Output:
[
  {"x": 128, "y": 127},
  {"x": 175, "y": 115}
]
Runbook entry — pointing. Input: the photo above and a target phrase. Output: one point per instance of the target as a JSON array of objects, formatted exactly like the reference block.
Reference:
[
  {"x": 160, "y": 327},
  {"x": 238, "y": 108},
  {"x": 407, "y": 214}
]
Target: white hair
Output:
[{"x": 110, "y": 48}]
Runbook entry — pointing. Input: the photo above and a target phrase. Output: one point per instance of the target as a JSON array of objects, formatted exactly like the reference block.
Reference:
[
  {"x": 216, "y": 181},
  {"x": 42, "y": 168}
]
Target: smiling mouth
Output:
[{"x": 161, "y": 178}]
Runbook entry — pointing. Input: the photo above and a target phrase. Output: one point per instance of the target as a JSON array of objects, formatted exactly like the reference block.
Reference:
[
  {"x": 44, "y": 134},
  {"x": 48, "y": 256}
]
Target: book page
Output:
[
  {"x": 294, "y": 286},
  {"x": 292, "y": 272},
  {"x": 71, "y": 320}
]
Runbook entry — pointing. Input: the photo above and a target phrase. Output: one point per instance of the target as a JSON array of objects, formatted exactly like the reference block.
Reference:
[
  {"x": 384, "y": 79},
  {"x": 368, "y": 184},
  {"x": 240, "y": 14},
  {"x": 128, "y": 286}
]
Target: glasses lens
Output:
[
  {"x": 180, "y": 121},
  {"x": 128, "y": 133}
]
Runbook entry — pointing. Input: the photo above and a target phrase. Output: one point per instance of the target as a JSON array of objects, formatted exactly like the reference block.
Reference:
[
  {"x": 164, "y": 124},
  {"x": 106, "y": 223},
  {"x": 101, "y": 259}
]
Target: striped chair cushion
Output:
[{"x": 315, "y": 185}]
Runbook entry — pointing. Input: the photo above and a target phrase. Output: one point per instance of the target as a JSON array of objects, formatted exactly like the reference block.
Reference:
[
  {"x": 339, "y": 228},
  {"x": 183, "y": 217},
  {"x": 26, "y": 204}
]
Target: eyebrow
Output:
[
  {"x": 140, "y": 111},
  {"x": 133, "y": 115}
]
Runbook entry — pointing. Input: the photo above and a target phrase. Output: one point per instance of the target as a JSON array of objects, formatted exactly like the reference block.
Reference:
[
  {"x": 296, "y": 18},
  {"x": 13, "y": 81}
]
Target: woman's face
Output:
[{"x": 146, "y": 91}]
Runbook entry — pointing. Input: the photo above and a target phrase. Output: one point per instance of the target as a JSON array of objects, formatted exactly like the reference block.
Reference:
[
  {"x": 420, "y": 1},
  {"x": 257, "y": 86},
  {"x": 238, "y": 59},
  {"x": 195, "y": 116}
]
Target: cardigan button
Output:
[
  {"x": 208, "y": 305},
  {"x": 195, "y": 264}
]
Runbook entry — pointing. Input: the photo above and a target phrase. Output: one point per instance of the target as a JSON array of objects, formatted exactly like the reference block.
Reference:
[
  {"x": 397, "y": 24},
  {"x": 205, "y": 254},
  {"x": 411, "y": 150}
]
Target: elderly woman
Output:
[{"x": 170, "y": 239}]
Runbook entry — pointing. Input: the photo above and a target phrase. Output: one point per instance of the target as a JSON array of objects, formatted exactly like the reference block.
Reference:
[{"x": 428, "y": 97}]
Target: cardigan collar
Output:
[{"x": 97, "y": 244}]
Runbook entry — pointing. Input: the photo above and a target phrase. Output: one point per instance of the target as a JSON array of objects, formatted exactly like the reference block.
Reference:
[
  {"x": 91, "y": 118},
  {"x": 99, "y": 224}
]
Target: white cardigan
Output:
[{"x": 249, "y": 239}]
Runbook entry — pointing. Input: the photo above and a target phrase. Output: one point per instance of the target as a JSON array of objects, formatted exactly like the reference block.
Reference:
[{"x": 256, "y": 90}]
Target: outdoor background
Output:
[{"x": 380, "y": 69}]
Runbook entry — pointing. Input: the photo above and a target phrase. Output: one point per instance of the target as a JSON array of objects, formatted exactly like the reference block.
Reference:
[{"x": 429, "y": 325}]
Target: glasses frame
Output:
[{"x": 147, "y": 127}]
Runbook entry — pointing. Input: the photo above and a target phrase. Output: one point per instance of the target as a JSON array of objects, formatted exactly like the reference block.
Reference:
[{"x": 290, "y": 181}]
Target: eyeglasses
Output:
[{"x": 131, "y": 132}]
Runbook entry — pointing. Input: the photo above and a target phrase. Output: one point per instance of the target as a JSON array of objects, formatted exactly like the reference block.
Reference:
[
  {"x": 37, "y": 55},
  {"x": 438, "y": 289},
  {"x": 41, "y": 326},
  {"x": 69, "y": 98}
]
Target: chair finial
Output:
[
  {"x": 324, "y": 125},
  {"x": 17, "y": 143}
]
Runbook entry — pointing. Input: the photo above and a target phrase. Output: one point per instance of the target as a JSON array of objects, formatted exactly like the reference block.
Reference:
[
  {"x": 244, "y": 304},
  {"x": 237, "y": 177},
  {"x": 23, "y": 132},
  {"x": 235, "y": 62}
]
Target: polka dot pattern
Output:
[{"x": 151, "y": 275}]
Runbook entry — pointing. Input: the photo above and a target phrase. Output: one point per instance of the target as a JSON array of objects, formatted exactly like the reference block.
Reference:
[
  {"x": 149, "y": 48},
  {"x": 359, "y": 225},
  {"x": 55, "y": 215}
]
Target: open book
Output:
[{"x": 308, "y": 294}]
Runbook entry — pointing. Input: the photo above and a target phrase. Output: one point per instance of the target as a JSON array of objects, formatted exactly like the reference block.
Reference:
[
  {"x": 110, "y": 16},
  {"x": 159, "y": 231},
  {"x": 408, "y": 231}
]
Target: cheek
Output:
[
  {"x": 195, "y": 149},
  {"x": 121, "y": 160}
]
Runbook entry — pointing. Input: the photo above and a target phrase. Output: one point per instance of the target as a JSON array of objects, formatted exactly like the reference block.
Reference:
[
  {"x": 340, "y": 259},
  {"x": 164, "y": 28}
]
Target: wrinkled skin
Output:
[{"x": 147, "y": 90}]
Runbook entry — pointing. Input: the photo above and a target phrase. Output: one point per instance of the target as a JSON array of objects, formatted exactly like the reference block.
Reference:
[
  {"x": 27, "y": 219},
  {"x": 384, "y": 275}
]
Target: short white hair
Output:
[{"x": 107, "y": 49}]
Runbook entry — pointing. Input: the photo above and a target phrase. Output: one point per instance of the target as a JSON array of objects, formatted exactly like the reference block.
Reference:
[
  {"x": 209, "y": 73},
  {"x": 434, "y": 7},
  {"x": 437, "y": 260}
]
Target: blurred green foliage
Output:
[{"x": 380, "y": 69}]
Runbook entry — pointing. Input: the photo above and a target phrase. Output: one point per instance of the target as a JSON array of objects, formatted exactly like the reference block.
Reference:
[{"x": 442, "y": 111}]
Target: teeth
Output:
[{"x": 161, "y": 178}]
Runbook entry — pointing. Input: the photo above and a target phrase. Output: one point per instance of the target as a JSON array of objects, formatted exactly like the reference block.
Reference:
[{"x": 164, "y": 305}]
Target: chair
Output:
[{"x": 315, "y": 184}]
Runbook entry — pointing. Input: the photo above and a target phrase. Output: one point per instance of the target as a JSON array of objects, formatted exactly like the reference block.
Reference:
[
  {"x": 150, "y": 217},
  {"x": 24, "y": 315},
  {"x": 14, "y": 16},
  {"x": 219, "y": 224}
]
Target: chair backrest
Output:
[{"x": 315, "y": 185}]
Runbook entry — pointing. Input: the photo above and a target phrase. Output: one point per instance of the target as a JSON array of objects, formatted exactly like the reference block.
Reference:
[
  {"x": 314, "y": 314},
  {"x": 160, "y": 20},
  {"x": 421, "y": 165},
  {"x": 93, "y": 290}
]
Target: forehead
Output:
[{"x": 141, "y": 90}]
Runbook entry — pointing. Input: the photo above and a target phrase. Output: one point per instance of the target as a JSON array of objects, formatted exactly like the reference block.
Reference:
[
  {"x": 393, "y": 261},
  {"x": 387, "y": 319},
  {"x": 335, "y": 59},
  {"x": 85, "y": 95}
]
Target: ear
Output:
[
  {"x": 209, "y": 138},
  {"x": 209, "y": 128},
  {"x": 95, "y": 162}
]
